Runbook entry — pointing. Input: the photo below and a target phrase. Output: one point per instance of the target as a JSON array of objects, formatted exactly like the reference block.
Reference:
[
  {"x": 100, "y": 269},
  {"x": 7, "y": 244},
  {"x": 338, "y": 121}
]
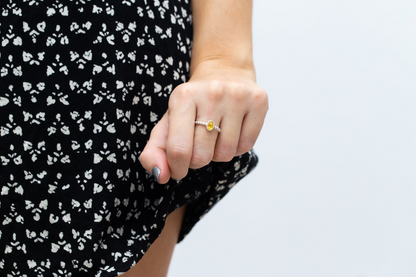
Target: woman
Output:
[{"x": 83, "y": 83}]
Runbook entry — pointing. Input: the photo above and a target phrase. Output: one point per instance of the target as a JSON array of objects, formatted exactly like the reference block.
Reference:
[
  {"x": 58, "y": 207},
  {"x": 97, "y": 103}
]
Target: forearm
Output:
[{"x": 222, "y": 35}]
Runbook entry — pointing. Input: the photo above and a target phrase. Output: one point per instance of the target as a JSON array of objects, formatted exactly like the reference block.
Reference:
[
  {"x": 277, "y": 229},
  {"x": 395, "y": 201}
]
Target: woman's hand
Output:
[
  {"x": 222, "y": 88},
  {"x": 227, "y": 95}
]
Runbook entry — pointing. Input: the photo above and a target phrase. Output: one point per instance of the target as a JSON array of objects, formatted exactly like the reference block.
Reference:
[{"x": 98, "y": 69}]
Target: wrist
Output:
[{"x": 224, "y": 68}]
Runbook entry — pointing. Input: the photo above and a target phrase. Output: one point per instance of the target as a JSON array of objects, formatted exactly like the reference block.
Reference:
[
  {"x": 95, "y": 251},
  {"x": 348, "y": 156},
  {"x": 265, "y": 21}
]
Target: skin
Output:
[
  {"x": 222, "y": 88},
  {"x": 155, "y": 262}
]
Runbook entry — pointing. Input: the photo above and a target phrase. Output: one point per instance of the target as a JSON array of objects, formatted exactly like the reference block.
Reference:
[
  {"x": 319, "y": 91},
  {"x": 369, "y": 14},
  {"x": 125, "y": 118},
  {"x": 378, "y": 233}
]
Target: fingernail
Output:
[{"x": 156, "y": 173}]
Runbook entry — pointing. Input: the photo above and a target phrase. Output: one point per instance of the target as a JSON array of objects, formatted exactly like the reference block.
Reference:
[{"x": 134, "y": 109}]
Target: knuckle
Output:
[
  {"x": 245, "y": 145},
  {"x": 225, "y": 152},
  {"x": 216, "y": 90},
  {"x": 178, "y": 152},
  {"x": 179, "y": 94},
  {"x": 178, "y": 159},
  {"x": 178, "y": 175},
  {"x": 261, "y": 98},
  {"x": 224, "y": 156},
  {"x": 200, "y": 159},
  {"x": 215, "y": 85}
]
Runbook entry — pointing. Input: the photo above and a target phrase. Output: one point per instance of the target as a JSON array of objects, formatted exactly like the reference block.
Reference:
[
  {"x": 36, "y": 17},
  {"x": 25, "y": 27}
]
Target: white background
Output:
[{"x": 335, "y": 190}]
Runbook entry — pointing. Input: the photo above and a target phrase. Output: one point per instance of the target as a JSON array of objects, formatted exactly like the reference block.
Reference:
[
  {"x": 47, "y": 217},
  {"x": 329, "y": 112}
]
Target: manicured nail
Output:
[{"x": 156, "y": 173}]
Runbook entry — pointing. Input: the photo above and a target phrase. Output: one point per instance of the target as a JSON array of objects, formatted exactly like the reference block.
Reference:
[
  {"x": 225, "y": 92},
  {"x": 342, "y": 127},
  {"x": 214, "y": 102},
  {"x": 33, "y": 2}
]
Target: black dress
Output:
[{"x": 82, "y": 84}]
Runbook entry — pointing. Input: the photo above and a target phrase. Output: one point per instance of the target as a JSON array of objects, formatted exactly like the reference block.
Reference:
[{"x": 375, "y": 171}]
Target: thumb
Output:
[{"x": 153, "y": 157}]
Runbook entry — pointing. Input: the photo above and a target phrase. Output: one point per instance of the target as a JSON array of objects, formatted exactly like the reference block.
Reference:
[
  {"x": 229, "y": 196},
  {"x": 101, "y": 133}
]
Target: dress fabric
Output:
[{"x": 82, "y": 84}]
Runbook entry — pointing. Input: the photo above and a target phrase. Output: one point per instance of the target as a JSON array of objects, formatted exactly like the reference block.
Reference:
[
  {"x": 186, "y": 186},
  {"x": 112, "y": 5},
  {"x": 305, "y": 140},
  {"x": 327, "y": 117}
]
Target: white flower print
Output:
[{"x": 82, "y": 84}]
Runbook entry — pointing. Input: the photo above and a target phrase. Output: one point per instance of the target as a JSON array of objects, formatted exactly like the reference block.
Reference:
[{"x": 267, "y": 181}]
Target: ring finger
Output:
[{"x": 205, "y": 137}]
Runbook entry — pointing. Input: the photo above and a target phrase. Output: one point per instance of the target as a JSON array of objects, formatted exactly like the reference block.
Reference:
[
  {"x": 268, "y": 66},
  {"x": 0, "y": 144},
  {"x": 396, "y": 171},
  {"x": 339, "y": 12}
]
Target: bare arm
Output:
[
  {"x": 222, "y": 33},
  {"x": 222, "y": 88}
]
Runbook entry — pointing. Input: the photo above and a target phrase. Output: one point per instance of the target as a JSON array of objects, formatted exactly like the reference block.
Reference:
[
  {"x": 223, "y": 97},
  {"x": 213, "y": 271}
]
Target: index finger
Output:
[{"x": 179, "y": 145}]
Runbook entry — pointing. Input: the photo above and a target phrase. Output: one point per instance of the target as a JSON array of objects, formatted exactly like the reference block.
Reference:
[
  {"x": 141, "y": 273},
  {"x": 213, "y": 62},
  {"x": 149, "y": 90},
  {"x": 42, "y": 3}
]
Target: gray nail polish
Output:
[{"x": 156, "y": 173}]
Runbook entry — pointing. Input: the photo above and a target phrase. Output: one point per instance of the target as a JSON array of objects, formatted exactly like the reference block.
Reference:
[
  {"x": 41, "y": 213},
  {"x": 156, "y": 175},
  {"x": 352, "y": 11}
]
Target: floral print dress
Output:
[{"x": 82, "y": 84}]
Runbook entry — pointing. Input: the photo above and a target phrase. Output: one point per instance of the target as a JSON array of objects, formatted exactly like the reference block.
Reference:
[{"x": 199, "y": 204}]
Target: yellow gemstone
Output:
[{"x": 210, "y": 125}]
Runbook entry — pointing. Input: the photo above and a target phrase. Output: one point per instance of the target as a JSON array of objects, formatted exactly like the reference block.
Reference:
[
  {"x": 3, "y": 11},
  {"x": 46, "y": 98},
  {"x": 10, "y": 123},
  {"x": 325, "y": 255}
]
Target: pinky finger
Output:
[{"x": 250, "y": 131}]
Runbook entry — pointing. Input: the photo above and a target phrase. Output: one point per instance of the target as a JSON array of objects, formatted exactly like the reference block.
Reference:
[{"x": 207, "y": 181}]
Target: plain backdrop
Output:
[{"x": 334, "y": 193}]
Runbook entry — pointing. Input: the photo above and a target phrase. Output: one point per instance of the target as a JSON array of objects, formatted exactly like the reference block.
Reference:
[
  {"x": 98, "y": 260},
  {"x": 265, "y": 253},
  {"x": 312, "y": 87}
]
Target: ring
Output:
[{"x": 209, "y": 125}]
